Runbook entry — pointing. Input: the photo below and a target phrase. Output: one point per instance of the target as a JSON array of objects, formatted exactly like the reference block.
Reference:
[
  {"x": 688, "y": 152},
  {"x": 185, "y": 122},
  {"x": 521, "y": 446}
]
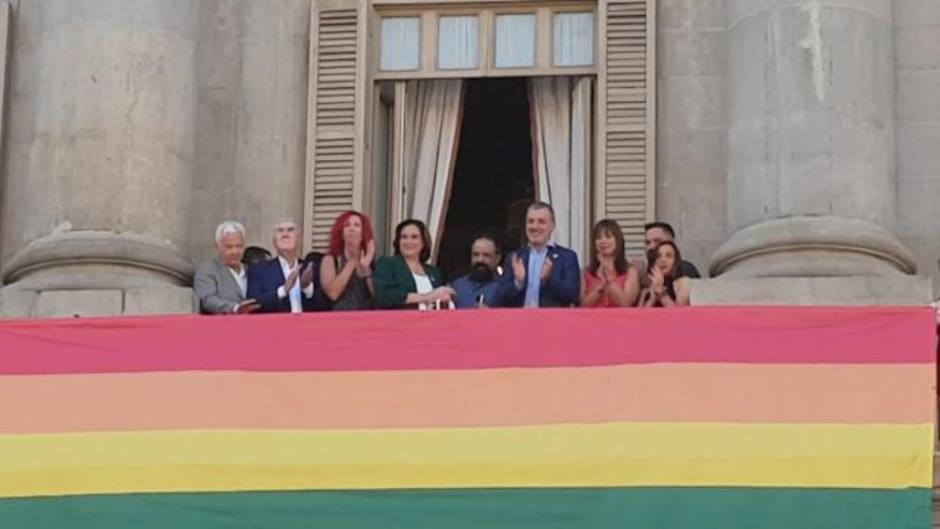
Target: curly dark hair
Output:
[{"x": 425, "y": 238}]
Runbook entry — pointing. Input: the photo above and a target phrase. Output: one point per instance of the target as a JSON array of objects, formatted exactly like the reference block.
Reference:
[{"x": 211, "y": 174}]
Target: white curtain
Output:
[
  {"x": 432, "y": 131},
  {"x": 561, "y": 125},
  {"x": 515, "y": 41},
  {"x": 573, "y": 39},
  {"x": 458, "y": 42},
  {"x": 401, "y": 43}
]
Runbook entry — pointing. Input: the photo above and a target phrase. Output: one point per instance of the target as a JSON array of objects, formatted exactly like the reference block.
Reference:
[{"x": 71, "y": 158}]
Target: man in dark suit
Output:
[
  {"x": 543, "y": 274},
  {"x": 285, "y": 283}
]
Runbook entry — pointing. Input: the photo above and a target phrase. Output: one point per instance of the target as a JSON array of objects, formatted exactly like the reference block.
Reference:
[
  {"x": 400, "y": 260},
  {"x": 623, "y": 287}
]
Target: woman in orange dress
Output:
[{"x": 608, "y": 280}]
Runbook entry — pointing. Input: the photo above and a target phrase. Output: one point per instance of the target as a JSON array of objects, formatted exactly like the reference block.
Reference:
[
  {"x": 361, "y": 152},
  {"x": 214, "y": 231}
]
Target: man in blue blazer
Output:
[
  {"x": 285, "y": 283},
  {"x": 543, "y": 274}
]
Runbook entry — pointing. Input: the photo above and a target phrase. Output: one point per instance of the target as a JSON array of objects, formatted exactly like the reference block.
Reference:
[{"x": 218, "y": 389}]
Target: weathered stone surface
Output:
[
  {"x": 811, "y": 136},
  {"x": 111, "y": 144},
  {"x": 104, "y": 255},
  {"x": 81, "y": 303},
  {"x": 812, "y": 246},
  {"x": 4, "y": 53},
  {"x": 165, "y": 299},
  {"x": 917, "y": 37},
  {"x": 683, "y": 14},
  {"x": 918, "y": 95},
  {"x": 16, "y": 303},
  {"x": 101, "y": 144},
  {"x": 85, "y": 300},
  {"x": 916, "y": 48},
  {"x": 858, "y": 290},
  {"x": 105, "y": 141},
  {"x": 693, "y": 52},
  {"x": 271, "y": 145},
  {"x": 692, "y": 123},
  {"x": 251, "y": 129},
  {"x": 812, "y": 120}
]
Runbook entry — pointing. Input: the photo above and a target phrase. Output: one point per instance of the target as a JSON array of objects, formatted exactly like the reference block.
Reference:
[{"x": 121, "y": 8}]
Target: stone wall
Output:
[
  {"x": 251, "y": 123},
  {"x": 917, "y": 96},
  {"x": 692, "y": 124}
]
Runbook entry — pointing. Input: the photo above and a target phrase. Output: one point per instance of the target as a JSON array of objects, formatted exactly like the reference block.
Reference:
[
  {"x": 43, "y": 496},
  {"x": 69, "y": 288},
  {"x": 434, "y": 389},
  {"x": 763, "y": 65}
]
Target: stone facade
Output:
[{"x": 797, "y": 146}]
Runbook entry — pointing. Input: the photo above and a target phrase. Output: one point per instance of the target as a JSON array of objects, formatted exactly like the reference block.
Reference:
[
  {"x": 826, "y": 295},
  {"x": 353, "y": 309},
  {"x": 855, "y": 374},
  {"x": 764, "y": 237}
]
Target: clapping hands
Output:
[
  {"x": 302, "y": 272},
  {"x": 365, "y": 261}
]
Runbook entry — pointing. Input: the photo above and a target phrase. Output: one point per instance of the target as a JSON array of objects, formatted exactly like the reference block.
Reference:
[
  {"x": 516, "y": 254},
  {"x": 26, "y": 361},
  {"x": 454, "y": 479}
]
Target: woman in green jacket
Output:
[{"x": 407, "y": 280}]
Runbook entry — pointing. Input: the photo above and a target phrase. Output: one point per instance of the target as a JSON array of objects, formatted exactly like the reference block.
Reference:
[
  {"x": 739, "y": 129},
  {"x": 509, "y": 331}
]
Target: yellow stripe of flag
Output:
[{"x": 573, "y": 455}]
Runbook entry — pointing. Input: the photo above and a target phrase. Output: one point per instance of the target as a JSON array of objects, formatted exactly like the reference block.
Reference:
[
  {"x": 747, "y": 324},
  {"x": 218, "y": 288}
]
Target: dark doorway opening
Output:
[{"x": 493, "y": 181}]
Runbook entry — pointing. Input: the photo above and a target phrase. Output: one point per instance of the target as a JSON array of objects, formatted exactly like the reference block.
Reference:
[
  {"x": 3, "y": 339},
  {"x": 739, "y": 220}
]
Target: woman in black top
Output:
[
  {"x": 346, "y": 271},
  {"x": 668, "y": 286}
]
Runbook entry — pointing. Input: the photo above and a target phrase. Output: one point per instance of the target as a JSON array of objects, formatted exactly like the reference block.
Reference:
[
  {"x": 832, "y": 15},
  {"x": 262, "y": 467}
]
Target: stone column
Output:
[
  {"x": 692, "y": 125},
  {"x": 100, "y": 157},
  {"x": 811, "y": 177},
  {"x": 917, "y": 66},
  {"x": 271, "y": 144},
  {"x": 251, "y": 129}
]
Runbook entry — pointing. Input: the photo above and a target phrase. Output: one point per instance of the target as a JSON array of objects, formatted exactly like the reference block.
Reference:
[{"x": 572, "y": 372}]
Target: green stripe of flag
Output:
[{"x": 622, "y": 508}]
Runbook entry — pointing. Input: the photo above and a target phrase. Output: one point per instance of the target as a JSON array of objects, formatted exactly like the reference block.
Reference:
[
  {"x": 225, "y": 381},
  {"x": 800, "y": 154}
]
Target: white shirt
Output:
[
  {"x": 295, "y": 303},
  {"x": 241, "y": 278},
  {"x": 423, "y": 283}
]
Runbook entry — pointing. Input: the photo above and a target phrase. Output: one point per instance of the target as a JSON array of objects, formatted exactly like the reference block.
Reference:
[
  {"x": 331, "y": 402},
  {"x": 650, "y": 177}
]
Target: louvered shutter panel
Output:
[
  {"x": 334, "y": 116},
  {"x": 626, "y": 134}
]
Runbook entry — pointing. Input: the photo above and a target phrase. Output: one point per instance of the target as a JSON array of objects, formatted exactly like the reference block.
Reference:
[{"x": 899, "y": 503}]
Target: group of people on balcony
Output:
[{"x": 351, "y": 277}]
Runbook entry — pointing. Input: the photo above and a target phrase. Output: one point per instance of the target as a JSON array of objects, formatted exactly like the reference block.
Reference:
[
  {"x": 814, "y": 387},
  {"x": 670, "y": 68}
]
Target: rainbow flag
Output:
[{"x": 706, "y": 417}]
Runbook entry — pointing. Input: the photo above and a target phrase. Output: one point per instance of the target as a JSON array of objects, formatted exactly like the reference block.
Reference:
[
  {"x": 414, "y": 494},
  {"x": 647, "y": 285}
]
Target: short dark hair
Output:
[
  {"x": 665, "y": 226},
  {"x": 255, "y": 254},
  {"x": 489, "y": 237},
  {"x": 537, "y": 205},
  {"x": 314, "y": 257},
  {"x": 425, "y": 254}
]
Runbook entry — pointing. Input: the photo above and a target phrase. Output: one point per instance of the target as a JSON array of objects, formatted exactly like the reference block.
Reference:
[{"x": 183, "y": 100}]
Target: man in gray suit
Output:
[{"x": 220, "y": 283}]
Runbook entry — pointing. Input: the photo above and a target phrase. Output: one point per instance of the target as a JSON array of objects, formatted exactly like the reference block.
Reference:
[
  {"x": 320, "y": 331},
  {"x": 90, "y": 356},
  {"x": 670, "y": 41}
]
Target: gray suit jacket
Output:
[{"x": 216, "y": 289}]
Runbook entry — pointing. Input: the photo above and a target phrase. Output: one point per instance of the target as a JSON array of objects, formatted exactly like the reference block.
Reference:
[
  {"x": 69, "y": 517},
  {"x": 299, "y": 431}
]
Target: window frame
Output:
[
  {"x": 437, "y": 58},
  {"x": 556, "y": 12},
  {"x": 382, "y": 38},
  {"x": 430, "y": 15}
]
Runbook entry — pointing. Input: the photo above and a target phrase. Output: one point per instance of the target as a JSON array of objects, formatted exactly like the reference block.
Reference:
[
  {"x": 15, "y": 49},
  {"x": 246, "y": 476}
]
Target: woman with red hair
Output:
[{"x": 346, "y": 270}]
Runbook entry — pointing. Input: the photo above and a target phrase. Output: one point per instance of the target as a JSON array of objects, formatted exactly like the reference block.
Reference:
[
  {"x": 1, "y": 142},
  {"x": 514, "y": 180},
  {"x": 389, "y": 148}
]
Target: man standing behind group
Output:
[
  {"x": 657, "y": 232},
  {"x": 543, "y": 274},
  {"x": 220, "y": 283},
  {"x": 478, "y": 288},
  {"x": 283, "y": 284}
]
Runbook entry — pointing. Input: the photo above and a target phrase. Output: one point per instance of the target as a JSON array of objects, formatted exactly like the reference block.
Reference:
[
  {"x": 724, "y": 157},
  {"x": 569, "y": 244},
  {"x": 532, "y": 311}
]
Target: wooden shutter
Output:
[
  {"x": 335, "y": 108},
  {"x": 626, "y": 118}
]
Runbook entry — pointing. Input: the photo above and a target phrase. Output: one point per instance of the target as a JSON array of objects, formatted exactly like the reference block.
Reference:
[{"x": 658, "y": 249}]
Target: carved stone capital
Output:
[
  {"x": 108, "y": 260},
  {"x": 812, "y": 246}
]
